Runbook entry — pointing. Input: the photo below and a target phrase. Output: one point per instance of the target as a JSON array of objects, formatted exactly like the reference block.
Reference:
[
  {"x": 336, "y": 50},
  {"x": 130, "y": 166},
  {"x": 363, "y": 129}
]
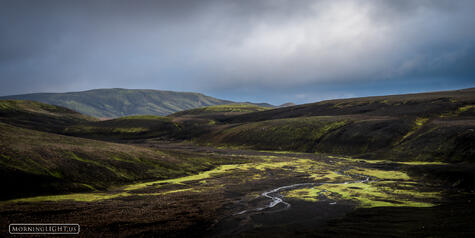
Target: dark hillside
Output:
[
  {"x": 39, "y": 116},
  {"x": 220, "y": 112},
  {"x": 35, "y": 163},
  {"x": 131, "y": 127},
  {"x": 436, "y": 126},
  {"x": 434, "y": 104}
]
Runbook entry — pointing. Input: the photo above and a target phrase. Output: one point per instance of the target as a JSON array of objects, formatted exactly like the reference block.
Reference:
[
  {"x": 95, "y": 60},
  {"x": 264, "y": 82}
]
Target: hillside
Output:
[
  {"x": 40, "y": 116},
  {"x": 112, "y": 103},
  {"x": 130, "y": 127},
  {"x": 436, "y": 126},
  {"x": 34, "y": 163},
  {"x": 459, "y": 102},
  {"x": 221, "y": 111}
]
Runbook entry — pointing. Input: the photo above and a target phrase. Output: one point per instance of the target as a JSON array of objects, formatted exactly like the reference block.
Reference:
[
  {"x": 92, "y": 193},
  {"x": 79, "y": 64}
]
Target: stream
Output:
[{"x": 276, "y": 198}]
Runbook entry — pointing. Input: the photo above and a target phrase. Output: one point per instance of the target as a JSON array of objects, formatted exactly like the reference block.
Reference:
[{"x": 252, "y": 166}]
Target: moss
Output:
[
  {"x": 366, "y": 195},
  {"x": 328, "y": 176},
  {"x": 130, "y": 130},
  {"x": 458, "y": 111},
  {"x": 307, "y": 194},
  {"x": 118, "y": 172},
  {"x": 56, "y": 174},
  {"x": 88, "y": 186},
  {"x": 418, "y": 123},
  {"x": 79, "y": 197},
  {"x": 380, "y": 174},
  {"x": 465, "y": 108},
  {"x": 422, "y": 163},
  {"x": 203, "y": 175},
  {"x": 329, "y": 127}
]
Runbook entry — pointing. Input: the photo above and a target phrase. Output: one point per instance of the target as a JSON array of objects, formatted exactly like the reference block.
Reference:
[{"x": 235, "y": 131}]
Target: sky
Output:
[{"x": 273, "y": 51}]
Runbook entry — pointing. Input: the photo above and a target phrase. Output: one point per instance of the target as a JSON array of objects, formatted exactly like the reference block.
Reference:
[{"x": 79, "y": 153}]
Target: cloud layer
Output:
[{"x": 229, "y": 47}]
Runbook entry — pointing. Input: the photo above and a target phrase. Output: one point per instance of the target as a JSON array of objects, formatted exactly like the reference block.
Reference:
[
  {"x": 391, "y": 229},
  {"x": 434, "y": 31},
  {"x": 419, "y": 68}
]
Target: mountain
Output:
[
  {"x": 288, "y": 104},
  {"x": 117, "y": 102}
]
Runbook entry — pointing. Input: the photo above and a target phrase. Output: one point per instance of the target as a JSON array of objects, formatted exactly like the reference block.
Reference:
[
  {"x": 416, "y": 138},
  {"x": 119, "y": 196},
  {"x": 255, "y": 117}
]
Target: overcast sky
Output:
[{"x": 248, "y": 50}]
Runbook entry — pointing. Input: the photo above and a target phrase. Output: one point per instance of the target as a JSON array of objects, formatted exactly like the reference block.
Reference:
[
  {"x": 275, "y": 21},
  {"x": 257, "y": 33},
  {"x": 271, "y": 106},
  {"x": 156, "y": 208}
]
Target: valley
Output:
[
  {"x": 266, "y": 192},
  {"x": 394, "y": 166}
]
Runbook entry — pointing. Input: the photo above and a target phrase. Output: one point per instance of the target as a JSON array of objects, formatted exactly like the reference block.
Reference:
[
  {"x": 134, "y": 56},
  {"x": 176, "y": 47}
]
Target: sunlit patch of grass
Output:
[
  {"x": 385, "y": 161},
  {"x": 303, "y": 166},
  {"x": 328, "y": 176},
  {"x": 203, "y": 175},
  {"x": 366, "y": 195},
  {"x": 91, "y": 197},
  {"x": 465, "y": 108},
  {"x": 459, "y": 111},
  {"x": 129, "y": 130},
  {"x": 281, "y": 152},
  {"x": 307, "y": 194},
  {"x": 79, "y": 197},
  {"x": 114, "y": 170},
  {"x": 350, "y": 159},
  {"x": 418, "y": 123},
  {"x": 422, "y": 163},
  {"x": 380, "y": 174},
  {"x": 88, "y": 186}
]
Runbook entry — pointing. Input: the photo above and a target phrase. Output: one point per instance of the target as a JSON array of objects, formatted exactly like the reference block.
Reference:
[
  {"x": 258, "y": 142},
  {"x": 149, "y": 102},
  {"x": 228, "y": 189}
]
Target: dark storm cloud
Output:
[{"x": 228, "y": 47}]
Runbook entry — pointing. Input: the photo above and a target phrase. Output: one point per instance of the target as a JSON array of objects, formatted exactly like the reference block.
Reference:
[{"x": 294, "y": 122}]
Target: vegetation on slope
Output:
[
  {"x": 434, "y": 104},
  {"x": 130, "y": 127},
  {"x": 41, "y": 116},
  {"x": 424, "y": 127},
  {"x": 111, "y": 103},
  {"x": 299, "y": 134},
  {"x": 239, "y": 108},
  {"x": 34, "y": 162}
]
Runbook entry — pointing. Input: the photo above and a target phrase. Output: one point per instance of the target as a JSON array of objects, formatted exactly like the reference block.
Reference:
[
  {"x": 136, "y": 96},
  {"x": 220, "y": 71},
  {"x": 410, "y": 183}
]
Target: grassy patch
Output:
[
  {"x": 371, "y": 194},
  {"x": 203, "y": 175},
  {"x": 418, "y": 123},
  {"x": 379, "y": 174}
]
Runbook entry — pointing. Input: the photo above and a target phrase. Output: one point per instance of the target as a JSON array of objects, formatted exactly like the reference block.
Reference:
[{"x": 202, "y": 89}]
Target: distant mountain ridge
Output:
[{"x": 117, "y": 102}]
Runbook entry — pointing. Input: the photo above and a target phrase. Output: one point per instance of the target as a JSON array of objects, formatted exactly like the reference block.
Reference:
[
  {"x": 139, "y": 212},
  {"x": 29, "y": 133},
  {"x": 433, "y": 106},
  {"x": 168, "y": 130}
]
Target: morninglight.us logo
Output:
[{"x": 43, "y": 229}]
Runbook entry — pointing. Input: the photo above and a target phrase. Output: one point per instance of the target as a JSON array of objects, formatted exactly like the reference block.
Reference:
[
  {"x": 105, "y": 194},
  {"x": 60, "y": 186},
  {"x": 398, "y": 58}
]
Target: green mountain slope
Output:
[{"x": 111, "y": 103}]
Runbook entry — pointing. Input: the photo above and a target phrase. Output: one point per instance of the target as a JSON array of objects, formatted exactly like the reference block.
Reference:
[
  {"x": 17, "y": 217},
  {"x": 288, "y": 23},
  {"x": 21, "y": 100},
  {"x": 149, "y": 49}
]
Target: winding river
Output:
[{"x": 276, "y": 198}]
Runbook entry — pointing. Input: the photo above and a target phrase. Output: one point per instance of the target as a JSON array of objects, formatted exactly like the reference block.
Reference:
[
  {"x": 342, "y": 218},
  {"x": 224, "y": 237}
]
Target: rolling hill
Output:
[
  {"x": 39, "y": 116},
  {"x": 436, "y": 126},
  {"x": 415, "y": 105},
  {"x": 117, "y": 102}
]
